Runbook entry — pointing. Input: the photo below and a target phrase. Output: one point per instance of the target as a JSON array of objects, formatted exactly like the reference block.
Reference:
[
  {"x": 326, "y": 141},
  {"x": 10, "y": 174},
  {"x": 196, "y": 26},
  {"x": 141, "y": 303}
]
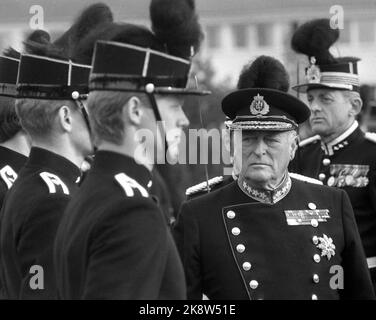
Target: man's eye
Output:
[{"x": 327, "y": 99}]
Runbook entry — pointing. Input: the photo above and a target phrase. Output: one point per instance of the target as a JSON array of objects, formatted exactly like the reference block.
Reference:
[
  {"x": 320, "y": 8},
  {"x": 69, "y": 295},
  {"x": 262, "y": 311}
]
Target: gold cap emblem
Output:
[
  {"x": 313, "y": 74},
  {"x": 259, "y": 106}
]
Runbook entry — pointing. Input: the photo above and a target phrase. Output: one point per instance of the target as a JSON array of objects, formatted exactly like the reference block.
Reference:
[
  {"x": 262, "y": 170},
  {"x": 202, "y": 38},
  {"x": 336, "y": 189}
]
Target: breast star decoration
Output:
[{"x": 326, "y": 246}]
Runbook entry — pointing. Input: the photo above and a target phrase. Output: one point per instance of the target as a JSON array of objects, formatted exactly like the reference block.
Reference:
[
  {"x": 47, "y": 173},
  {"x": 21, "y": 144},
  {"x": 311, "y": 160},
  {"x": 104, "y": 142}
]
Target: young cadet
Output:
[
  {"x": 113, "y": 241},
  {"x": 50, "y": 105},
  {"x": 14, "y": 142}
]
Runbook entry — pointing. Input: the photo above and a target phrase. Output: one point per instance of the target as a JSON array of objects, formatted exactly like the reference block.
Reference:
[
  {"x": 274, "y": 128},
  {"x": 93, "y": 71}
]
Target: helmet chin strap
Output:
[
  {"x": 149, "y": 88},
  {"x": 76, "y": 98}
]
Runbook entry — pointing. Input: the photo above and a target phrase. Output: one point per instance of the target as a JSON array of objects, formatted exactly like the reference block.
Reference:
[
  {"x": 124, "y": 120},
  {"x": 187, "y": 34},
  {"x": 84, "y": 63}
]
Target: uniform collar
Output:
[
  {"x": 46, "y": 159},
  {"x": 267, "y": 196},
  {"x": 113, "y": 163},
  {"x": 12, "y": 158},
  {"x": 340, "y": 142}
]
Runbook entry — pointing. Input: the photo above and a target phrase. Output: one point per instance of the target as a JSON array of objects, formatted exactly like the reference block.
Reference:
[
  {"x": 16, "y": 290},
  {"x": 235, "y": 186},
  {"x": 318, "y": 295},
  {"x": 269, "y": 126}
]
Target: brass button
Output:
[
  {"x": 316, "y": 258},
  {"x": 314, "y": 297},
  {"x": 247, "y": 266},
  {"x": 314, "y": 223},
  {"x": 253, "y": 284},
  {"x": 315, "y": 240},
  {"x": 322, "y": 176},
  {"x": 316, "y": 278},
  {"x": 230, "y": 214},
  {"x": 240, "y": 248},
  {"x": 326, "y": 162},
  {"x": 235, "y": 231},
  {"x": 312, "y": 206}
]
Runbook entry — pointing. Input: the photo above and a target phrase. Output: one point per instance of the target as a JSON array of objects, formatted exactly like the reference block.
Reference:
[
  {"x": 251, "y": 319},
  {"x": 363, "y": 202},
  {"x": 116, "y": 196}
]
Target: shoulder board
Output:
[
  {"x": 304, "y": 178},
  {"x": 129, "y": 185},
  {"x": 203, "y": 186},
  {"x": 309, "y": 140},
  {"x": 53, "y": 181},
  {"x": 371, "y": 136},
  {"x": 8, "y": 175}
]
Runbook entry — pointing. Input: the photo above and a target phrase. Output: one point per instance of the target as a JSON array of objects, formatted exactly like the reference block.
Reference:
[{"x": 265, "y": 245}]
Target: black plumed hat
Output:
[
  {"x": 46, "y": 69},
  {"x": 128, "y": 54},
  {"x": 314, "y": 39},
  {"x": 9, "y": 62},
  {"x": 264, "y": 72},
  {"x": 262, "y": 101}
]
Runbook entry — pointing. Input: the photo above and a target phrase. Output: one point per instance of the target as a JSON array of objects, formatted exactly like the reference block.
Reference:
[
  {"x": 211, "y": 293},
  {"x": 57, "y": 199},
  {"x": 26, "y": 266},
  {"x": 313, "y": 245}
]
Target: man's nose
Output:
[
  {"x": 314, "y": 106},
  {"x": 260, "y": 147},
  {"x": 183, "y": 121}
]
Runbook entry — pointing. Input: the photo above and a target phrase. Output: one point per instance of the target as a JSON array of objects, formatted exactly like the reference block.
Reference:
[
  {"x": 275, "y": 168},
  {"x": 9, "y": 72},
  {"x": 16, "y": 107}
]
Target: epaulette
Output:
[
  {"x": 204, "y": 186},
  {"x": 309, "y": 140},
  {"x": 8, "y": 175},
  {"x": 371, "y": 136},
  {"x": 52, "y": 181},
  {"x": 304, "y": 178}
]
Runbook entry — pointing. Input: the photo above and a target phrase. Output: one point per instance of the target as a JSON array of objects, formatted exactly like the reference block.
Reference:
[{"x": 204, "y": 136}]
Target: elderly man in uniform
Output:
[
  {"x": 113, "y": 242},
  {"x": 14, "y": 142},
  {"x": 50, "y": 105},
  {"x": 340, "y": 155},
  {"x": 267, "y": 235}
]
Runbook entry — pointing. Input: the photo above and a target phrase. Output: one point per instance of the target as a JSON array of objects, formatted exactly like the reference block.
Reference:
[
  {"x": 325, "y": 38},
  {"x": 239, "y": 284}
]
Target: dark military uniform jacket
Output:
[
  {"x": 113, "y": 242},
  {"x": 244, "y": 243},
  {"x": 348, "y": 163},
  {"x": 29, "y": 219},
  {"x": 160, "y": 192},
  {"x": 10, "y": 163},
  {"x": 211, "y": 185}
]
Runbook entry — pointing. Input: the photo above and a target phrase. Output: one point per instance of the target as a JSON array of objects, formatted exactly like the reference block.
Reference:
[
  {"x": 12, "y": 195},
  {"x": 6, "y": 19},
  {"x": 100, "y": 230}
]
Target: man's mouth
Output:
[{"x": 317, "y": 119}]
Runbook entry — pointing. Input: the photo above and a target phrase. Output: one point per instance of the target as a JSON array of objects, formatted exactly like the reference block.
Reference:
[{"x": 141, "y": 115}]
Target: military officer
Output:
[
  {"x": 50, "y": 105},
  {"x": 340, "y": 155},
  {"x": 113, "y": 242},
  {"x": 246, "y": 80},
  {"x": 14, "y": 142},
  {"x": 268, "y": 235}
]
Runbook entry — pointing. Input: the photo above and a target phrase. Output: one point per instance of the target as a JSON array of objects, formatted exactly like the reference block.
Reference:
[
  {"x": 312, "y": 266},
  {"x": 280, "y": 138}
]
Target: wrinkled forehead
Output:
[{"x": 325, "y": 91}]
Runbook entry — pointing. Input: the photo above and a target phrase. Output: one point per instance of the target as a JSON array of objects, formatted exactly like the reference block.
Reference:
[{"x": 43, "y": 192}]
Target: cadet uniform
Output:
[
  {"x": 347, "y": 162},
  {"x": 30, "y": 217},
  {"x": 33, "y": 206},
  {"x": 113, "y": 242},
  {"x": 161, "y": 194},
  {"x": 10, "y": 163}
]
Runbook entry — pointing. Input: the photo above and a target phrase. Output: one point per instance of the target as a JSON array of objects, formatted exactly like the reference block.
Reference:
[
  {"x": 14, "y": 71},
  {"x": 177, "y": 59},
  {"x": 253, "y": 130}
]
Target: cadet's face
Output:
[
  {"x": 175, "y": 120},
  {"x": 329, "y": 111},
  {"x": 265, "y": 155},
  {"x": 81, "y": 133}
]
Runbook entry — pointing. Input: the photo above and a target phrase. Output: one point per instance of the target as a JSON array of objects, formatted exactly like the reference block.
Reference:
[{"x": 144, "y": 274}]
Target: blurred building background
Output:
[{"x": 236, "y": 31}]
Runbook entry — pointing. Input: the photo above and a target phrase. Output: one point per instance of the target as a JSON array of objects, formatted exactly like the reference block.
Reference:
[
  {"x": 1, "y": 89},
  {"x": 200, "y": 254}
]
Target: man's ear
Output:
[
  {"x": 356, "y": 104},
  {"x": 132, "y": 111},
  {"x": 65, "y": 118}
]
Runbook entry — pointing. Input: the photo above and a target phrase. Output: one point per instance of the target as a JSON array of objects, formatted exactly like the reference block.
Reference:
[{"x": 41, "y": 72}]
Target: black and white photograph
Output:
[{"x": 199, "y": 153}]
